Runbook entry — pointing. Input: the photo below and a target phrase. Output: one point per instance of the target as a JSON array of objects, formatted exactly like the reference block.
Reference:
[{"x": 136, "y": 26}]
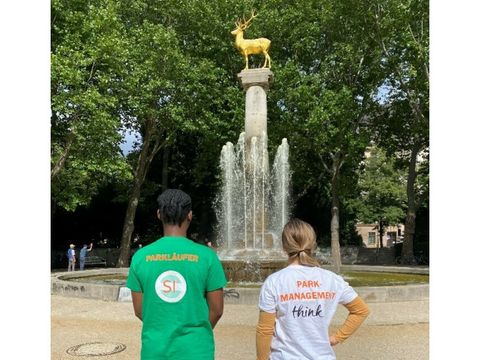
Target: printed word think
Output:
[{"x": 300, "y": 311}]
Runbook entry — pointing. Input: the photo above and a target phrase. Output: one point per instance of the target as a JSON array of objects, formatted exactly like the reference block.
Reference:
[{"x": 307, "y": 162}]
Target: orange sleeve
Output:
[
  {"x": 265, "y": 328},
  {"x": 358, "y": 312}
]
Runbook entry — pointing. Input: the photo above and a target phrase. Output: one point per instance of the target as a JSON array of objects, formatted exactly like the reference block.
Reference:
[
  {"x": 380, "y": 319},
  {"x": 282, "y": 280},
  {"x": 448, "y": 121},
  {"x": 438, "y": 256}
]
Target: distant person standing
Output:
[
  {"x": 83, "y": 255},
  {"x": 71, "y": 258},
  {"x": 177, "y": 287}
]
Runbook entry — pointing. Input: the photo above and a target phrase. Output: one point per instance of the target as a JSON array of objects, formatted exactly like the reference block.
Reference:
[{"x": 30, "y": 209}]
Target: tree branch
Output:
[
  {"x": 337, "y": 164},
  {"x": 325, "y": 165},
  {"x": 359, "y": 69},
  {"x": 413, "y": 105},
  {"x": 421, "y": 199},
  {"x": 91, "y": 71},
  {"x": 60, "y": 164},
  {"x": 419, "y": 45}
]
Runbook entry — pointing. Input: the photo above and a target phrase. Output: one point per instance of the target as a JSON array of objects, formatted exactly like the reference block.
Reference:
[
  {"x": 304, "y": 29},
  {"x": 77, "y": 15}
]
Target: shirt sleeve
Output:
[
  {"x": 266, "y": 301},
  {"x": 358, "y": 312},
  {"x": 216, "y": 276},
  {"x": 133, "y": 282},
  {"x": 347, "y": 294}
]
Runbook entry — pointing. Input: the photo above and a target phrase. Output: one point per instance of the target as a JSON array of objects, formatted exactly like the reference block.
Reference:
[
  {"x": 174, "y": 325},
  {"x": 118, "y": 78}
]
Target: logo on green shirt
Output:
[{"x": 171, "y": 286}]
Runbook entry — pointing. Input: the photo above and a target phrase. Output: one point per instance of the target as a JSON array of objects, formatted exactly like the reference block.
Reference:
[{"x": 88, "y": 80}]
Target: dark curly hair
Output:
[{"x": 174, "y": 206}]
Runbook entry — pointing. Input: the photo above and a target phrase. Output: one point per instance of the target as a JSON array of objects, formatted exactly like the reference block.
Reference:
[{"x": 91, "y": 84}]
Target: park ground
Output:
[{"x": 393, "y": 331}]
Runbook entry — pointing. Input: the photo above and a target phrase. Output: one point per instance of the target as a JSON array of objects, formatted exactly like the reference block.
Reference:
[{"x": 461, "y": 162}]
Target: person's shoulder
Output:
[
  {"x": 197, "y": 245},
  {"x": 204, "y": 250},
  {"x": 325, "y": 271},
  {"x": 279, "y": 274},
  {"x": 144, "y": 250},
  {"x": 332, "y": 275}
]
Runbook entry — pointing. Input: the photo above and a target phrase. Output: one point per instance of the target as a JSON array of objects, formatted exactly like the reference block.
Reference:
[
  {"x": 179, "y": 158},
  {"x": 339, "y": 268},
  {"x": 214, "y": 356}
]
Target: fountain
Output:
[
  {"x": 281, "y": 180},
  {"x": 254, "y": 202},
  {"x": 252, "y": 208}
]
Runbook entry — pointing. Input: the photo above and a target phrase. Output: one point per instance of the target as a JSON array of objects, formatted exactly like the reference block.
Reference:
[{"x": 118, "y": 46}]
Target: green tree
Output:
[
  {"x": 172, "y": 86},
  {"x": 85, "y": 135},
  {"x": 148, "y": 104},
  {"x": 328, "y": 71},
  {"x": 402, "y": 34},
  {"x": 382, "y": 197}
]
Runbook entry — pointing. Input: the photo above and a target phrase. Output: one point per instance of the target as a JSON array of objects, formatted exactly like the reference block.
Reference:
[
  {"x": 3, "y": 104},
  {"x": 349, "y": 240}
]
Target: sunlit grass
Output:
[
  {"x": 366, "y": 278},
  {"x": 357, "y": 279}
]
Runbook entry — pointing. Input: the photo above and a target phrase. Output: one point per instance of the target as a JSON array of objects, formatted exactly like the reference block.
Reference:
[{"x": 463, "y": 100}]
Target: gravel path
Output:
[{"x": 394, "y": 331}]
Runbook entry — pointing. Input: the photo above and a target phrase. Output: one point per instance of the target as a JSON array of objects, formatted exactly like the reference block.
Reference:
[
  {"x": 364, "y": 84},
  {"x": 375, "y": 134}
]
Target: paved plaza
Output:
[{"x": 394, "y": 331}]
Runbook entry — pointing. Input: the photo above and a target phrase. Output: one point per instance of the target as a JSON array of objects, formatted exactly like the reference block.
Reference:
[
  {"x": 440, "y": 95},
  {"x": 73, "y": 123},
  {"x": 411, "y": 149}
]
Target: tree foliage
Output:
[
  {"x": 171, "y": 90},
  {"x": 402, "y": 33},
  {"x": 345, "y": 73},
  {"x": 381, "y": 187},
  {"x": 85, "y": 138}
]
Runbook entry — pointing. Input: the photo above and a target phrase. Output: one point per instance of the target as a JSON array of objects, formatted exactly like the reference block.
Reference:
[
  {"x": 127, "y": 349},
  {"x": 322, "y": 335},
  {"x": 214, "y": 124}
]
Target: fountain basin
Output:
[{"x": 109, "y": 284}]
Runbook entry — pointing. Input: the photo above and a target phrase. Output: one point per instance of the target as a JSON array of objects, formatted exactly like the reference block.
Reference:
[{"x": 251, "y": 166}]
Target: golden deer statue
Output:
[{"x": 250, "y": 46}]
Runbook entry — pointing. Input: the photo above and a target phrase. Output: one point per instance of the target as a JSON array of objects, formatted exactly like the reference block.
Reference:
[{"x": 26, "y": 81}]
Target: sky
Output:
[
  {"x": 129, "y": 139},
  {"x": 25, "y": 190}
]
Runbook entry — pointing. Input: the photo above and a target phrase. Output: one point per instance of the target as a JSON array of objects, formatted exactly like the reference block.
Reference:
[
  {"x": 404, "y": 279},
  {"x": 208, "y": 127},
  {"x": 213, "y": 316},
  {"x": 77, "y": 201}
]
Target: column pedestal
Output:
[{"x": 256, "y": 83}]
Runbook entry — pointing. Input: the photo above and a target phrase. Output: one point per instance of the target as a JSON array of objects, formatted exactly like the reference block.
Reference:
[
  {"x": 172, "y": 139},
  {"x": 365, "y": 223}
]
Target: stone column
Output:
[{"x": 256, "y": 83}]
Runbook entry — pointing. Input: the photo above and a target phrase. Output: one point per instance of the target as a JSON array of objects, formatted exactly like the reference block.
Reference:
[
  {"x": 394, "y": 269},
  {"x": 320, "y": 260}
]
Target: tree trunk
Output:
[
  {"x": 381, "y": 229},
  {"x": 149, "y": 149},
  {"x": 407, "y": 247},
  {"x": 128, "y": 224},
  {"x": 337, "y": 162},
  {"x": 166, "y": 153},
  {"x": 335, "y": 228},
  {"x": 335, "y": 234},
  {"x": 53, "y": 209}
]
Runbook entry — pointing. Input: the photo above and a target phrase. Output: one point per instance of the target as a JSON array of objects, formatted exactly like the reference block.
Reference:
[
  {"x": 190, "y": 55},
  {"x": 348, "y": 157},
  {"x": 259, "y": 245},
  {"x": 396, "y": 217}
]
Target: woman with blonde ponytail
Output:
[{"x": 298, "y": 302}]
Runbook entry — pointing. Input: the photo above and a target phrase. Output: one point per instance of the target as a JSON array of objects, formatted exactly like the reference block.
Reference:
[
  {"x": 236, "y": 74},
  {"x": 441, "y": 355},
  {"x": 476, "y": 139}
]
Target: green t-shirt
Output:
[{"x": 174, "y": 273}]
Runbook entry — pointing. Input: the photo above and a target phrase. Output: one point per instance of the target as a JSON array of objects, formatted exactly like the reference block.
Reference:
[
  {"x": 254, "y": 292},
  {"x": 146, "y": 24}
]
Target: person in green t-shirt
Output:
[{"x": 177, "y": 287}]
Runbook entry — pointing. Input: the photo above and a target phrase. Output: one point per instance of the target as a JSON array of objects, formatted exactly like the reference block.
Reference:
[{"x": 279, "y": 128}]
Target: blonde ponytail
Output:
[{"x": 299, "y": 240}]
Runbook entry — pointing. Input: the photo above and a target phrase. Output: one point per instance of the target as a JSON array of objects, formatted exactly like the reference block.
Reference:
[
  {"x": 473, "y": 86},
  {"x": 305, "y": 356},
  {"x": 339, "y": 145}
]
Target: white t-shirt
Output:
[{"x": 304, "y": 299}]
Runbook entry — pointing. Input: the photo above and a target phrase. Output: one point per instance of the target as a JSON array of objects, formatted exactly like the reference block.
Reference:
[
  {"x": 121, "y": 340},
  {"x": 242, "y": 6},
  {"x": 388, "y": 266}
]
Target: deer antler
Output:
[{"x": 246, "y": 23}]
